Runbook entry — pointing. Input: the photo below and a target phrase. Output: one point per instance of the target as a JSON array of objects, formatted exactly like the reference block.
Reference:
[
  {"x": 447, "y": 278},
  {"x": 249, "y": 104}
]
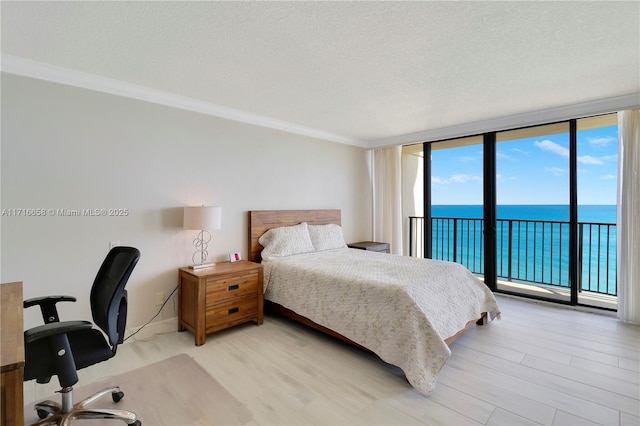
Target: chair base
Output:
[{"x": 58, "y": 415}]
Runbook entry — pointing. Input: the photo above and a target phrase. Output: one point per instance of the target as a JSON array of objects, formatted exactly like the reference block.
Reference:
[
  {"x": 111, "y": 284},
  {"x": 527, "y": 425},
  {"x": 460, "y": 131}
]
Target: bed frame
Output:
[{"x": 260, "y": 221}]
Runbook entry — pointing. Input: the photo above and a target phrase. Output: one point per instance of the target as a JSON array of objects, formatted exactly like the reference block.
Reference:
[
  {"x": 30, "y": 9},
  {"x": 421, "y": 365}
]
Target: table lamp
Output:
[{"x": 202, "y": 218}]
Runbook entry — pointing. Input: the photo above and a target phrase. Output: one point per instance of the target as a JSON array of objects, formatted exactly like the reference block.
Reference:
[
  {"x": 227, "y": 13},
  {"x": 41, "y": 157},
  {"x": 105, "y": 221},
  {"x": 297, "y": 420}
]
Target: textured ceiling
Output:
[{"x": 361, "y": 71}]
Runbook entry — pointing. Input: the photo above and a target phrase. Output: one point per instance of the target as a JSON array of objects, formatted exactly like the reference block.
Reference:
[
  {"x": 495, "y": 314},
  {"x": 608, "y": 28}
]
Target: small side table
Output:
[
  {"x": 220, "y": 297},
  {"x": 371, "y": 246}
]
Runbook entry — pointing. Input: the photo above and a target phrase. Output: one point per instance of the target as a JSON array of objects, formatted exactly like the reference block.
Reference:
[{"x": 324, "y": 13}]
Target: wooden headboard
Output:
[{"x": 260, "y": 221}]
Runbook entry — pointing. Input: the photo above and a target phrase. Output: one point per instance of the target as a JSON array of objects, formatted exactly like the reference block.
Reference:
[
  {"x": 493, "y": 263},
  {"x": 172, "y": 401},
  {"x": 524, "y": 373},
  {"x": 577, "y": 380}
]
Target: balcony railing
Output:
[{"x": 528, "y": 251}]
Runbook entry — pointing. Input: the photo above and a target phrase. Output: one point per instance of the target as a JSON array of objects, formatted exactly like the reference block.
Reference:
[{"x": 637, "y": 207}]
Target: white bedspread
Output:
[{"x": 401, "y": 308}]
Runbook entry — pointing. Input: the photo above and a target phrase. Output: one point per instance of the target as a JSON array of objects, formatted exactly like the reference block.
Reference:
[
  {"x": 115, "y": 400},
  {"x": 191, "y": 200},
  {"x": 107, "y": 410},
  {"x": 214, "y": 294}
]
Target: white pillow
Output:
[
  {"x": 286, "y": 241},
  {"x": 326, "y": 237}
]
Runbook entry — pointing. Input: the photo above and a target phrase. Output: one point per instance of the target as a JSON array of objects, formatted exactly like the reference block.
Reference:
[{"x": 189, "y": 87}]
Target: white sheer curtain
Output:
[
  {"x": 629, "y": 216},
  {"x": 387, "y": 197}
]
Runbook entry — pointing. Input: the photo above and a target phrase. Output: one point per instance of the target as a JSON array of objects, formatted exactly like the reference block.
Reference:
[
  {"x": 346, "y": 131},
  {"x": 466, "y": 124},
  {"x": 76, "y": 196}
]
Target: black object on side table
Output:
[{"x": 371, "y": 246}]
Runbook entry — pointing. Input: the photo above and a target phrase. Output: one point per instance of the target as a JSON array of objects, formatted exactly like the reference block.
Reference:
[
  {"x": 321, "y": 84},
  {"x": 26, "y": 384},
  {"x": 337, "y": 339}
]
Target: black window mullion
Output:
[
  {"x": 574, "y": 267},
  {"x": 489, "y": 199},
  {"x": 426, "y": 178}
]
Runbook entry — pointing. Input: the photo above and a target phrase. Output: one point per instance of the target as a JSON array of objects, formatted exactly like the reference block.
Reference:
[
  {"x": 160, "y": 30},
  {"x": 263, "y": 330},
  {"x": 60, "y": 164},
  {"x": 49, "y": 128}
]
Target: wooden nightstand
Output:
[
  {"x": 371, "y": 246},
  {"x": 217, "y": 298}
]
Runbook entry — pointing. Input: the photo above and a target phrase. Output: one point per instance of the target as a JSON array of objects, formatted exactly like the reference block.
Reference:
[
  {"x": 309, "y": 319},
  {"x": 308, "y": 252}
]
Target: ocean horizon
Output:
[{"x": 593, "y": 213}]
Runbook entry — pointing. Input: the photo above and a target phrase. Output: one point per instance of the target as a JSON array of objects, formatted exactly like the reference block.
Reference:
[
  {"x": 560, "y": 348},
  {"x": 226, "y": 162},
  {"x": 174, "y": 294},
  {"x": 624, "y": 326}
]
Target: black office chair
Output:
[{"x": 61, "y": 348}]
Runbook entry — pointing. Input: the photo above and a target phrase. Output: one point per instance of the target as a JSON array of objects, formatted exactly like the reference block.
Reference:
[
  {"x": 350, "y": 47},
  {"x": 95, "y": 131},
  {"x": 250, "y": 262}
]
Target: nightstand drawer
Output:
[
  {"x": 232, "y": 287},
  {"x": 231, "y": 311}
]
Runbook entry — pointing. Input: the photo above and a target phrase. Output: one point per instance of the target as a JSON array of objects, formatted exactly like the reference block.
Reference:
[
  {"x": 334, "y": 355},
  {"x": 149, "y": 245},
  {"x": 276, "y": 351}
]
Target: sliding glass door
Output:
[
  {"x": 597, "y": 177},
  {"x": 533, "y": 200},
  {"x": 456, "y": 202},
  {"x": 443, "y": 200}
]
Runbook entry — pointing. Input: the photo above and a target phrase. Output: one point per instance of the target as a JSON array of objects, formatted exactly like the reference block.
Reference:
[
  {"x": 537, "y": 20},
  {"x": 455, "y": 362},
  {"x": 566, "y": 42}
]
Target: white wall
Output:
[{"x": 70, "y": 148}]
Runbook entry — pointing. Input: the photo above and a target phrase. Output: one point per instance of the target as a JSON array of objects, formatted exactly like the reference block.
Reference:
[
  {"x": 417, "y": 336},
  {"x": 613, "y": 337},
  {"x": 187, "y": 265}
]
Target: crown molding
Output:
[
  {"x": 28, "y": 68},
  {"x": 550, "y": 115}
]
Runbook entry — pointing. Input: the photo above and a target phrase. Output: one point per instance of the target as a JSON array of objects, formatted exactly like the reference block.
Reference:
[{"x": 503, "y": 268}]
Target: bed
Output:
[{"x": 405, "y": 310}]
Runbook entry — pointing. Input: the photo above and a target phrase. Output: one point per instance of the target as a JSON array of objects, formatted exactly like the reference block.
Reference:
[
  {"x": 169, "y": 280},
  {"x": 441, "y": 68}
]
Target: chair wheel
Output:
[
  {"x": 117, "y": 396},
  {"x": 42, "y": 413},
  {"x": 137, "y": 423}
]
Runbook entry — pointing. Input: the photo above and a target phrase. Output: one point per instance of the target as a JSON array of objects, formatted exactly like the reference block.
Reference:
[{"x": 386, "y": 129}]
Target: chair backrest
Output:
[{"x": 108, "y": 295}]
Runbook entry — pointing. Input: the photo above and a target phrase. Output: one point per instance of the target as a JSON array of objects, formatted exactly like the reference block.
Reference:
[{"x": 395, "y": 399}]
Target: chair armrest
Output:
[
  {"x": 48, "y": 306},
  {"x": 47, "y": 299},
  {"x": 53, "y": 329}
]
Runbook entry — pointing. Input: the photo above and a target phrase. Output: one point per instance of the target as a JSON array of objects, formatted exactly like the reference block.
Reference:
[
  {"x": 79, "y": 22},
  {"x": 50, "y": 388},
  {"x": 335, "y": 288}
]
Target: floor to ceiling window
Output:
[
  {"x": 456, "y": 202},
  {"x": 532, "y": 227},
  {"x": 548, "y": 230},
  {"x": 597, "y": 177},
  {"x": 455, "y": 194}
]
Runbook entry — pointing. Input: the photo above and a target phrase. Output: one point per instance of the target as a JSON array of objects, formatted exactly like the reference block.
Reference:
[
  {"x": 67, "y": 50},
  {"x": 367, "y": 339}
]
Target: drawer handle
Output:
[
  {"x": 234, "y": 287},
  {"x": 233, "y": 310}
]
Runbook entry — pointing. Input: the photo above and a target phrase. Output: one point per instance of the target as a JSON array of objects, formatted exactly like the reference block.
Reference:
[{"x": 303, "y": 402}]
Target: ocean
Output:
[
  {"x": 532, "y": 243},
  {"x": 553, "y": 212}
]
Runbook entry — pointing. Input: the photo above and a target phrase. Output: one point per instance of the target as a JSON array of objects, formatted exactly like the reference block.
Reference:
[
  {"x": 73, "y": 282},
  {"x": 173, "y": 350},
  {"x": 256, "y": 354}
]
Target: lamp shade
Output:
[{"x": 202, "y": 217}]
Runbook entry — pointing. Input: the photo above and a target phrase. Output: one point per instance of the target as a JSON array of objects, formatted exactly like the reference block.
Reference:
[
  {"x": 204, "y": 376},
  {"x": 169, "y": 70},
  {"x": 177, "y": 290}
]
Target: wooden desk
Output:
[{"x": 11, "y": 354}]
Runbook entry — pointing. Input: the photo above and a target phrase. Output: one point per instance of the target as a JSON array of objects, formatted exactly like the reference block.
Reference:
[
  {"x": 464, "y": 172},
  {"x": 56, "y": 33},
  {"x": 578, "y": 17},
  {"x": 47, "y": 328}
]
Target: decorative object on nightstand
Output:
[
  {"x": 371, "y": 246},
  {"x": 214, "y": 299},
  {"x": 202, "y": 218}
]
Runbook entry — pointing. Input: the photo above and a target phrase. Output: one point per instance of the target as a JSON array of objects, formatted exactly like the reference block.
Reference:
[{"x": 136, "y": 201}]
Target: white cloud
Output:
[
  {"x": 502, "y": 155},
  {"x": 587, "y": 159},
  {"x": 598, "y": 161},
  {"x": 556, "y": 171},
  {"x": 550, "y": 146},
  {"x": 520, "y": 151},
  {"x": 608, "y": 177},
  {"x": 547, "y": 145},
  {"x": 456, "y": 178},
  {"x": 462, "y": 178},
  {"x": 603, "y": 141}
]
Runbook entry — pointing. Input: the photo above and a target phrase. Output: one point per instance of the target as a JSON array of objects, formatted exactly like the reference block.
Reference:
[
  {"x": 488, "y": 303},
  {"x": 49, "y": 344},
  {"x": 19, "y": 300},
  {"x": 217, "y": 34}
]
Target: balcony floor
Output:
[{"x": 586, "y": 298}]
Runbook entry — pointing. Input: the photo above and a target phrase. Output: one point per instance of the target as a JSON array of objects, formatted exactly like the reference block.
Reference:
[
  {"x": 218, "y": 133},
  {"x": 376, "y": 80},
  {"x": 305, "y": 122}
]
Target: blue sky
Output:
[{"x": 531, "y": 171}]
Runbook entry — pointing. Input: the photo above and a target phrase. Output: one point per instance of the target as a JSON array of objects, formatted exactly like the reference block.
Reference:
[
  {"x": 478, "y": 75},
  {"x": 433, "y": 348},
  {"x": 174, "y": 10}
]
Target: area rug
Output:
[{"x": 176, "y": 391}]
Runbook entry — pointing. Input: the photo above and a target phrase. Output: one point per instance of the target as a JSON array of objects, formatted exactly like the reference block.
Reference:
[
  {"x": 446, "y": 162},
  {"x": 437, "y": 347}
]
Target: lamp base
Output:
[{"x": 202, "y": 266}]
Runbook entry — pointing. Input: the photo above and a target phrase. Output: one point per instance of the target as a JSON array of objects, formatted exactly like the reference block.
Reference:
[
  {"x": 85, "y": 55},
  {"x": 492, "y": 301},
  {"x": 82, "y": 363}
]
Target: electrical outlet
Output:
[{"x": 159, "y": 298}]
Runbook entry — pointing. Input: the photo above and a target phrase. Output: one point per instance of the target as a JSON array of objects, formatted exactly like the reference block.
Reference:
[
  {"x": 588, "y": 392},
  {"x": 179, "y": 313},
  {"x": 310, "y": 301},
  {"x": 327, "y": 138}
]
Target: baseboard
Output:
[{"x": 148, "y": 331}]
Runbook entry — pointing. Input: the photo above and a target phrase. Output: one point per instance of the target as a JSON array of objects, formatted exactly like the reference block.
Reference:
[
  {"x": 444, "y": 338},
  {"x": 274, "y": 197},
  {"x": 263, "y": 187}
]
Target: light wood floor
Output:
[{"x": 539, "y": 364}]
